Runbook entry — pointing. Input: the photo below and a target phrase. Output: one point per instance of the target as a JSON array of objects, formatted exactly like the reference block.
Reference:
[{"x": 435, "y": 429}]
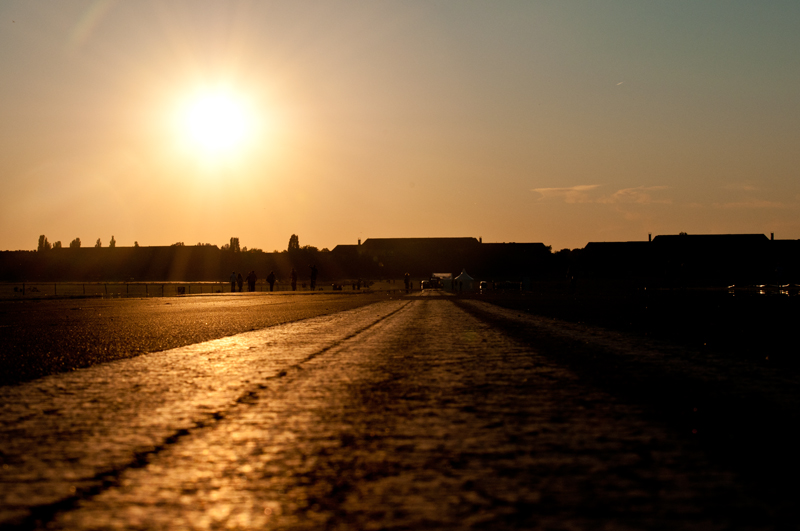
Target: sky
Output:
[{"x": 559, "y": 121}]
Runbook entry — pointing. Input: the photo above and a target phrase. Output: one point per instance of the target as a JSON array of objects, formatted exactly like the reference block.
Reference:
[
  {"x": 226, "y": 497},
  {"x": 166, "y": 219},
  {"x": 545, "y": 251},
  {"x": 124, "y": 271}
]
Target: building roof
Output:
[
  {"x": 396, "y": 244},
  {"x": 693, "y": 239}
]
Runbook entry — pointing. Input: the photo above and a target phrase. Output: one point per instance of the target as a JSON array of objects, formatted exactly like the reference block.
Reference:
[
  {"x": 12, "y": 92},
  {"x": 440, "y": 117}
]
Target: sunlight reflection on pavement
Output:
[
  {"x": 404, "y": 414},
  {"x": 65, "y": 434}
]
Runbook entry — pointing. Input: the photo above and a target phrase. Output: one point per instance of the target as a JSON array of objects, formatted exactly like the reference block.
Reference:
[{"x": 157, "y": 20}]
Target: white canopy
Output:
[{"x": 464, "y": 281}]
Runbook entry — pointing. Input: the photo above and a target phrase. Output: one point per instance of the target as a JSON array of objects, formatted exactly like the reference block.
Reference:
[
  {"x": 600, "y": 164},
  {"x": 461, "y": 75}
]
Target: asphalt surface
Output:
[
  {"x": 40, "y": 337},
  {"x": 419, "y": 413}
]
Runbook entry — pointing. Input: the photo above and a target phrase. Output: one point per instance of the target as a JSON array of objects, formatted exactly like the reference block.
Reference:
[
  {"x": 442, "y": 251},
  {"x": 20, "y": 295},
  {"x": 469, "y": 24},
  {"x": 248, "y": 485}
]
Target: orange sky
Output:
[{"x": 541, "y": 121}]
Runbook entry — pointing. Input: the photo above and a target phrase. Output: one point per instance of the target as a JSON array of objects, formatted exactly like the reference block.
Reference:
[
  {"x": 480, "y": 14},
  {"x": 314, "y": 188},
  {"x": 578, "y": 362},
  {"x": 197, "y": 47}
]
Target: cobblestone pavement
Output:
[{"x": 410, "y": 414}]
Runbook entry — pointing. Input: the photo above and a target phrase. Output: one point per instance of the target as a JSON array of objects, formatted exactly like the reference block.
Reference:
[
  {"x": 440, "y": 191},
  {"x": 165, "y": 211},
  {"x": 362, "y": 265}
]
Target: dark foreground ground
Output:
[
  {"x": 426, "y": 412},
  {"x": 759, "y": 328},
  {"x": 738, "y": 412}
]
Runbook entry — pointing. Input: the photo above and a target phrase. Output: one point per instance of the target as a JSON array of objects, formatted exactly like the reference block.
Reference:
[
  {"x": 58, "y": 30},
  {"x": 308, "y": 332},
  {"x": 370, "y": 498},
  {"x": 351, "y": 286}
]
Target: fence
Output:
[{"x": 11, "y": 290}]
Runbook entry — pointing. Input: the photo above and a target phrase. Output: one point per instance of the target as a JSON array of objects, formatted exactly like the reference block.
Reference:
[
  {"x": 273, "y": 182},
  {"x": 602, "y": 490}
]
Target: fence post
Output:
[
  {"x": 105, "y": 288},
  {"x": 23, "y": 289},
  {"x": 162, "y": 290},
  {"x": 84, "y": 288},
  {"x": 146, "y": 294},
  {"x": 55, "y": 290},
  {"x": 126, "y": 288}
]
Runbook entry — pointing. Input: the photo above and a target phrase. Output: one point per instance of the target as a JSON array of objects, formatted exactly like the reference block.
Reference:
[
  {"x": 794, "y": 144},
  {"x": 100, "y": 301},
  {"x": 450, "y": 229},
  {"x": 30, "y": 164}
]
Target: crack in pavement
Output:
[
  {"x": 54, "y": 466},
  {"x": 430, "y": 419},
  {"x": 415, "y": 415}
]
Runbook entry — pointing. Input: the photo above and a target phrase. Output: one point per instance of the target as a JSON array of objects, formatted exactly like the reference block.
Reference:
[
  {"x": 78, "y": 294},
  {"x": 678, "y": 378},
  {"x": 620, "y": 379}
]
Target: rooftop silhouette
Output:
[{"x": 692, "y": 258}]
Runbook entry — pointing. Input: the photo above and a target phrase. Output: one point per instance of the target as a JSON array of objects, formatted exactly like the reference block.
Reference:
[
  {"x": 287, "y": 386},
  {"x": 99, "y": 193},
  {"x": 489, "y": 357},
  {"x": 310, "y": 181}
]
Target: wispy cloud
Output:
[
  {"x": 572, "y": 194},
  {"x": 588, "y": 193},
  {"x": 642, "y": 195}
]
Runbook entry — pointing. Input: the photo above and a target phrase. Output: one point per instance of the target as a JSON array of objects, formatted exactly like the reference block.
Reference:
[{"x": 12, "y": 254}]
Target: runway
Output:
[
  {"x": 41, "y": 337},
  {"x": 418, "y": 413}
]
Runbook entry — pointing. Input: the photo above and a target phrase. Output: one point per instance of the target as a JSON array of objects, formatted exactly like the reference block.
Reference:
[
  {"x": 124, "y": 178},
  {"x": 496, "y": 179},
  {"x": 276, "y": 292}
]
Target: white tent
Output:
[{"x": 463, "y": 282}]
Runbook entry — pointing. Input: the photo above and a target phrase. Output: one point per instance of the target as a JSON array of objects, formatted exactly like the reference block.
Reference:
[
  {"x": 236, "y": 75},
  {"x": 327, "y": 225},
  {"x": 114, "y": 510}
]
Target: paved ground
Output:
[
  {"x": 40, "y": 337},
  {"x": 405, "y": 414}
]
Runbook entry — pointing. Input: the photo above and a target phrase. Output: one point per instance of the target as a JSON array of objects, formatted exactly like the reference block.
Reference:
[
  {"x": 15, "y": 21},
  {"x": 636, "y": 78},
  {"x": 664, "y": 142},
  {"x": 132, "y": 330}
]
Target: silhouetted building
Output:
[
  {"x": 614, "y": 260},
  {"x": 683, "y": 259},
  {"x": 722, "y": 258},
  {"x": 393, "y": 257},
  {"x": 669, "y": 260}
]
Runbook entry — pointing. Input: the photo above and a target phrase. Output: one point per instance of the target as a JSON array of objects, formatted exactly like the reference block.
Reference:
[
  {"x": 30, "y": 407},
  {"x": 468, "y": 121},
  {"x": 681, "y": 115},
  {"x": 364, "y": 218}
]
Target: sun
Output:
[{"x": 215, "y": 123}]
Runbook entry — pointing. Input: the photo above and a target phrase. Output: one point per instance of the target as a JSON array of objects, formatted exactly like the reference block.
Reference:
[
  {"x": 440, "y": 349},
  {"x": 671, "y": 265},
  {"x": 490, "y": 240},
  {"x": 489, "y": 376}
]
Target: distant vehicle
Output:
[
  {"x": 442, "y": 280},
  {"x": 485, "y": 285},
  {"x": 435, "y": 282}
]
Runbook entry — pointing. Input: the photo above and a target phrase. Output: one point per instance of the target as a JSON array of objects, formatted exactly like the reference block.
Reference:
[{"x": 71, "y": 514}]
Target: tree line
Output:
[{"x": 233, "y": 245}]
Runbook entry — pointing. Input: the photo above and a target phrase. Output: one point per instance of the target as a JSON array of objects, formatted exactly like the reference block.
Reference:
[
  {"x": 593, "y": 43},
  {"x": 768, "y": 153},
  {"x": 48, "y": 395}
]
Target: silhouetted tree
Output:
[
  {"x": 113, "y": 242},
  {"x": 294, "y": 243},
  {"x": 57, "y": 245},
  {"x": 566, "y": 262},
  {"x": 310, "y": 248},
  {"x": 44, "y": 245},
  {"x": 74, "y": 244},
  {"x": 98, "y": 243},
  {"x": 235, "y": 245},
  {"x": 136, "y": 244},
  {"x": 177, "y": 244}
]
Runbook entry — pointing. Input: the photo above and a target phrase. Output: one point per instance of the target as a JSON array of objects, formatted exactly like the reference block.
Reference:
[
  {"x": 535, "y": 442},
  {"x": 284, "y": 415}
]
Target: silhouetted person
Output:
[
  {"x": 271, "y": 280},
  {"x": 313, "y": 277},
  {"x": 251, "y": 281},
  {"x": 294, "y": 280},
  {"x": 407, "y": 281},
  {"x": 233, "y": 281},
  {"x": 239, "y": 281}
]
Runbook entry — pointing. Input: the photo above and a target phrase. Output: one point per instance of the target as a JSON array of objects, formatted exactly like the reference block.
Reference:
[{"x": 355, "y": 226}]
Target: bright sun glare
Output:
[{"x": 216, "y": 123}]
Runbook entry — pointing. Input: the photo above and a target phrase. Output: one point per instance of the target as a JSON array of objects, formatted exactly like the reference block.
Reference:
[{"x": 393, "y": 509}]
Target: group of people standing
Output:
[{"x": 237, "y": 281}]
